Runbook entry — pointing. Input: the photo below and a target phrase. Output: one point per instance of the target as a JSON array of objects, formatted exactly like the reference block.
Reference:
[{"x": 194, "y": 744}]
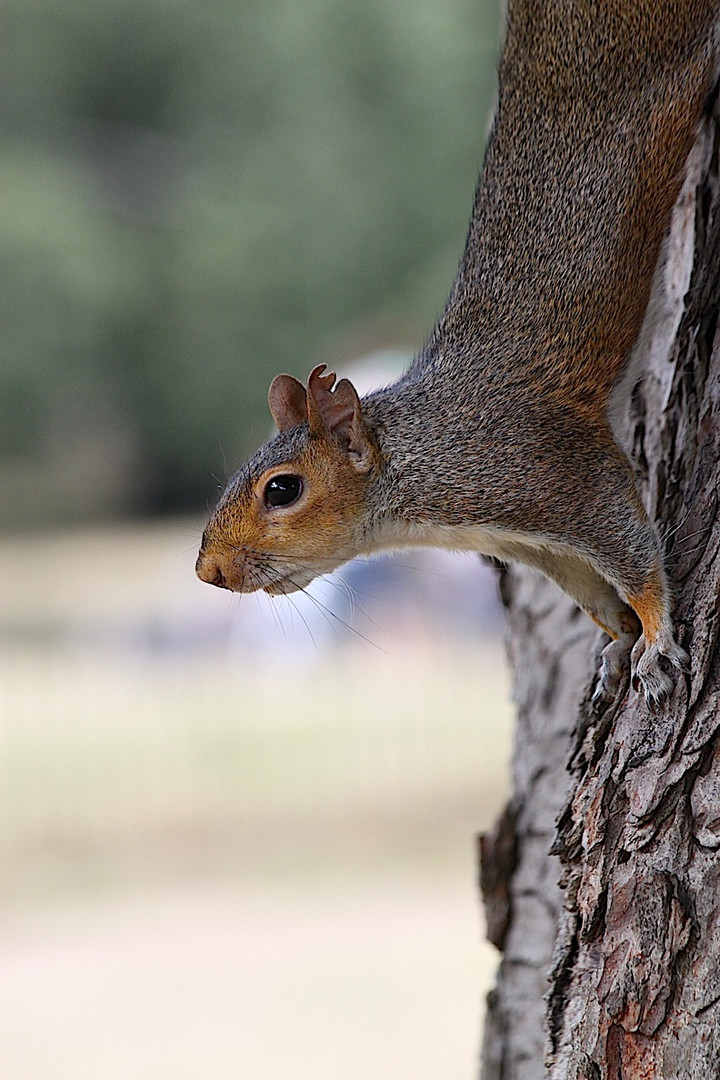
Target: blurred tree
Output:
[{"x": 199, "y": 194}]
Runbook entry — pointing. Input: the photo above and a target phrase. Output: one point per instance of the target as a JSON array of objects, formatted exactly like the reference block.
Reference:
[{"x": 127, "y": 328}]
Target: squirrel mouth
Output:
[
  {"x": 281, "y": 587},
  {"x": 287, "y": 580}
]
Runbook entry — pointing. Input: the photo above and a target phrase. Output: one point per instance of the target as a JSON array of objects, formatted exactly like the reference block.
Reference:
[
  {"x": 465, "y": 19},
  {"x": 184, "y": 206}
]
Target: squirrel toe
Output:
[
  {"x": 655, "y": 667},
  {"x": 614, "y": 668}
]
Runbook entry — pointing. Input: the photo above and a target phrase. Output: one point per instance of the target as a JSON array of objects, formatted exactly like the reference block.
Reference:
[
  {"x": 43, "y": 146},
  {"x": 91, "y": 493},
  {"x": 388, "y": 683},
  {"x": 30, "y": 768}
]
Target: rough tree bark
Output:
[{"x": 611, "y": 945}]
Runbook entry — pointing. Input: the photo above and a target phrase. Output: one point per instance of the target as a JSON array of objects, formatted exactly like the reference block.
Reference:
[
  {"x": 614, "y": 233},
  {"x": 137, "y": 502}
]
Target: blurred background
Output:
[{"x": 236, "y": 836}]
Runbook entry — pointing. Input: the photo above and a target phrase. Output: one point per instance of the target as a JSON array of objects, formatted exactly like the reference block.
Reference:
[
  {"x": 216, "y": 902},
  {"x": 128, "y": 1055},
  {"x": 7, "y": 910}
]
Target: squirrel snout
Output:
[{"x": 210, "y": 572}]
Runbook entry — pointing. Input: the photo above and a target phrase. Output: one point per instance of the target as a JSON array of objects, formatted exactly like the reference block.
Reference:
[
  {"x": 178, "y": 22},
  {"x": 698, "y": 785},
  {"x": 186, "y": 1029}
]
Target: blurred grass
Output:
[
  {"x": 135, "y": 715},
  {"x": 208, "y": 840},
  {"x": 102, "y": 757}
]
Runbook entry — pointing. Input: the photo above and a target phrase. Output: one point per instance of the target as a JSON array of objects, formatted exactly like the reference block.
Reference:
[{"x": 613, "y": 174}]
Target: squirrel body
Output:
[{"x": 497, "y": 439}]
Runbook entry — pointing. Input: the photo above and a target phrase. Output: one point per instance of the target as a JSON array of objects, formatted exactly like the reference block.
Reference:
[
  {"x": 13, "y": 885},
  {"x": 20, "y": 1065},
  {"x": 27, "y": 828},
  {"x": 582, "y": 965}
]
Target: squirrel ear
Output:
[
  {"x": 287, "y": 401},
  {"x": 338, "y": 412}
]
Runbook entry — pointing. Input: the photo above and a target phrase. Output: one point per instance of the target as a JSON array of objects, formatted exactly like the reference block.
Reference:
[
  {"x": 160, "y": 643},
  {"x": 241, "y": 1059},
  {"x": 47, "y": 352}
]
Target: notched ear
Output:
[
  {"x": 287, "y": 401},
  {"x": 338, "y": 412}
]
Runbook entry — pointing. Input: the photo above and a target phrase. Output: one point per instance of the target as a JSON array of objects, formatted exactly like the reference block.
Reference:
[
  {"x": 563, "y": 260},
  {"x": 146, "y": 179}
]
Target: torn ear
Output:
[
  {"x": 338, "y": 412},
  {"x": 287, "y": 401}
]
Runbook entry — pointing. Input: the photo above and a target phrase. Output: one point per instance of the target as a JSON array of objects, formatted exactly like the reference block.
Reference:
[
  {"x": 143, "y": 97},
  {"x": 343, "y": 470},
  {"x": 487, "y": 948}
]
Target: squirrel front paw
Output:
[
  {"x": 614, "y": 668},
  {"x": 650, "y": 676},
  {"x": 654, "y": 668}
]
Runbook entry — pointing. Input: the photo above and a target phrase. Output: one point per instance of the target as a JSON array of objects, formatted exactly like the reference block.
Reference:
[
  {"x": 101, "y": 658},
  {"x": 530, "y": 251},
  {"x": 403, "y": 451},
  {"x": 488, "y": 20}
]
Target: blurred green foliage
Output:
[{"x": 197, "y": 194}]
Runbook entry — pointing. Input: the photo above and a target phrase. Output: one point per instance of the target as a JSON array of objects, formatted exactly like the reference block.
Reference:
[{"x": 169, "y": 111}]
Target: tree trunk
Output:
[{"x": 611, "y": 945}]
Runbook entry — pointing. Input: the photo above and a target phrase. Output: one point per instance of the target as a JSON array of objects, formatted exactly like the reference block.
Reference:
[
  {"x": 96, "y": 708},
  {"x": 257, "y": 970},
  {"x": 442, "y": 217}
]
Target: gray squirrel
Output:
[{"x": 497, "y": 438}]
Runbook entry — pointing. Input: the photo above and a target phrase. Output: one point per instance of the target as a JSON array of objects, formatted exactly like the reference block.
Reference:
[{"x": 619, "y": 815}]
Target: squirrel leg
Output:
[
  {"x": 611, "y": 564},
  {"x": 598, "y": 599},
  {"x": 657, "y": 642},
  {"x": 638, "y": 623}
]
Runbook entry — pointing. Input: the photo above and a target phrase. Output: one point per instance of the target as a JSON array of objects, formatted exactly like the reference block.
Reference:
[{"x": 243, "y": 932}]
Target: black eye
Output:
[{"x": 283, "y": 490}]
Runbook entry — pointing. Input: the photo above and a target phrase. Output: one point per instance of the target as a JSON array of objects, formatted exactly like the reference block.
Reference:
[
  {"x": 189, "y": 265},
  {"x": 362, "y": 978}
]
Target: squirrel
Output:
[{"x": 497, "y": 439}]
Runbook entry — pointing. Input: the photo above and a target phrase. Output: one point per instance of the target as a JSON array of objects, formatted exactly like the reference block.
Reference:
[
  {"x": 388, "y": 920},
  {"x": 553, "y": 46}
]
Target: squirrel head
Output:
[{"x": 298, "y": 507}]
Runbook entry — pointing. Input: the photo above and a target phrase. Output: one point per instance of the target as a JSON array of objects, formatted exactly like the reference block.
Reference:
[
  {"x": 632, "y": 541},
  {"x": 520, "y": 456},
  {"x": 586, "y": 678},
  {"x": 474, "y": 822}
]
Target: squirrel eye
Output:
[{"x": 283, "y": 490}]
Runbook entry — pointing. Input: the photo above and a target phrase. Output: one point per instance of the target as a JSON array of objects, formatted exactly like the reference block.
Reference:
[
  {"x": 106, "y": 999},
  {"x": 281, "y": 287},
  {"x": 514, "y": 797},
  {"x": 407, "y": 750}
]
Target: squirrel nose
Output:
[{"x": 210, "y": 573}]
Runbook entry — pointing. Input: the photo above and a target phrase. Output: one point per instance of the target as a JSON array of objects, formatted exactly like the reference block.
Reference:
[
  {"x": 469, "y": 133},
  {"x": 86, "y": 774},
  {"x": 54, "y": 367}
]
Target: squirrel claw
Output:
[
  {"x": 648, "y": 666},
  {"x": 649, "y": 676},
  {"x": 614, "y": 670}
]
